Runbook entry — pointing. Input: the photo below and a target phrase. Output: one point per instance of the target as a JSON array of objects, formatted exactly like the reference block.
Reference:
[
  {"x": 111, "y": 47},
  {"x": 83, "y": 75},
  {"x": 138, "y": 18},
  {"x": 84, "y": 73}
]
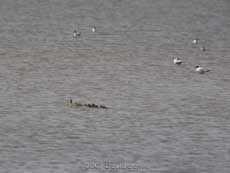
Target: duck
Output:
[
  {"x": 177, "y": 61},
  {"x": 201, "y": 70},
  {"x": 76, "y": 33},
  {"x": 69, "y": 103}
]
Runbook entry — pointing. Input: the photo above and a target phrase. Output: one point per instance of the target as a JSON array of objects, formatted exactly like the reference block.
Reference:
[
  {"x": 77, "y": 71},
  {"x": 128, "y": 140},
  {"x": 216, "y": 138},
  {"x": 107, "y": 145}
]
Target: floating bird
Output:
[
  {"x": 177, "y": 61},
  {"x": 69, "y": 103},
  {"x": 76, "y": 104},
  {"x": 76, "y": 33},
  {"x": 95, "y": 106},
  {"x": 94, "y": 29},
  {"x": 104, "y": 107},
  {"x": 201, "y": 70},
  {"x": 195, "y": 41},
  {"x": 203, "y": 48}
]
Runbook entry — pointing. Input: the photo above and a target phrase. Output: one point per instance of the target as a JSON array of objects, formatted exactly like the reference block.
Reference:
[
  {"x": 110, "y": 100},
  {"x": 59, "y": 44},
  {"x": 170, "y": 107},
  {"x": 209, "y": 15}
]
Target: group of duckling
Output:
[
  {"x": 70, "y": 103},
  {"x": 198, "y": 69}
]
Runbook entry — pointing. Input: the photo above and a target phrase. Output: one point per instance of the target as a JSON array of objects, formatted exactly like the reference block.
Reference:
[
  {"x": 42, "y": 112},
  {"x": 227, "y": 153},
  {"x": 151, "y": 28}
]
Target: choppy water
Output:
[{"x": 163, "y": 117}]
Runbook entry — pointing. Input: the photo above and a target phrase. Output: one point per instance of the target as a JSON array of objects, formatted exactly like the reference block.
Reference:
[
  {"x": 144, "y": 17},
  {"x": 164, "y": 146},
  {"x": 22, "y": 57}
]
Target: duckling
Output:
[
  {"x": 95, "y": 106},
  {"x": 104, "y": 107},
  {"x": 89, "y": 105},
  {"x": 177, "y": 61},
  {"x": 76, "y": 104}
]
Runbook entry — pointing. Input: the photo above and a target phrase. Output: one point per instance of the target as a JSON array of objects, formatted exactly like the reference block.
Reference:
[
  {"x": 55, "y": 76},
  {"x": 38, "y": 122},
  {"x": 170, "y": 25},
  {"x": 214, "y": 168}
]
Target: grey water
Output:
[{"x": 161, "y": 117}]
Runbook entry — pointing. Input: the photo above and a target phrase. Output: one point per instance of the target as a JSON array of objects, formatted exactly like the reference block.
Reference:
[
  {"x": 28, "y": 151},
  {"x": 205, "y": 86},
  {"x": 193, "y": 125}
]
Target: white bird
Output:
[
  {"x": 94, "y": 29},
  {"x": 201, "y": 70},
  {"x": 76, "y": 33},
  {"x": 195, "y": 41},
  {"x": 177, "y": 61}
]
